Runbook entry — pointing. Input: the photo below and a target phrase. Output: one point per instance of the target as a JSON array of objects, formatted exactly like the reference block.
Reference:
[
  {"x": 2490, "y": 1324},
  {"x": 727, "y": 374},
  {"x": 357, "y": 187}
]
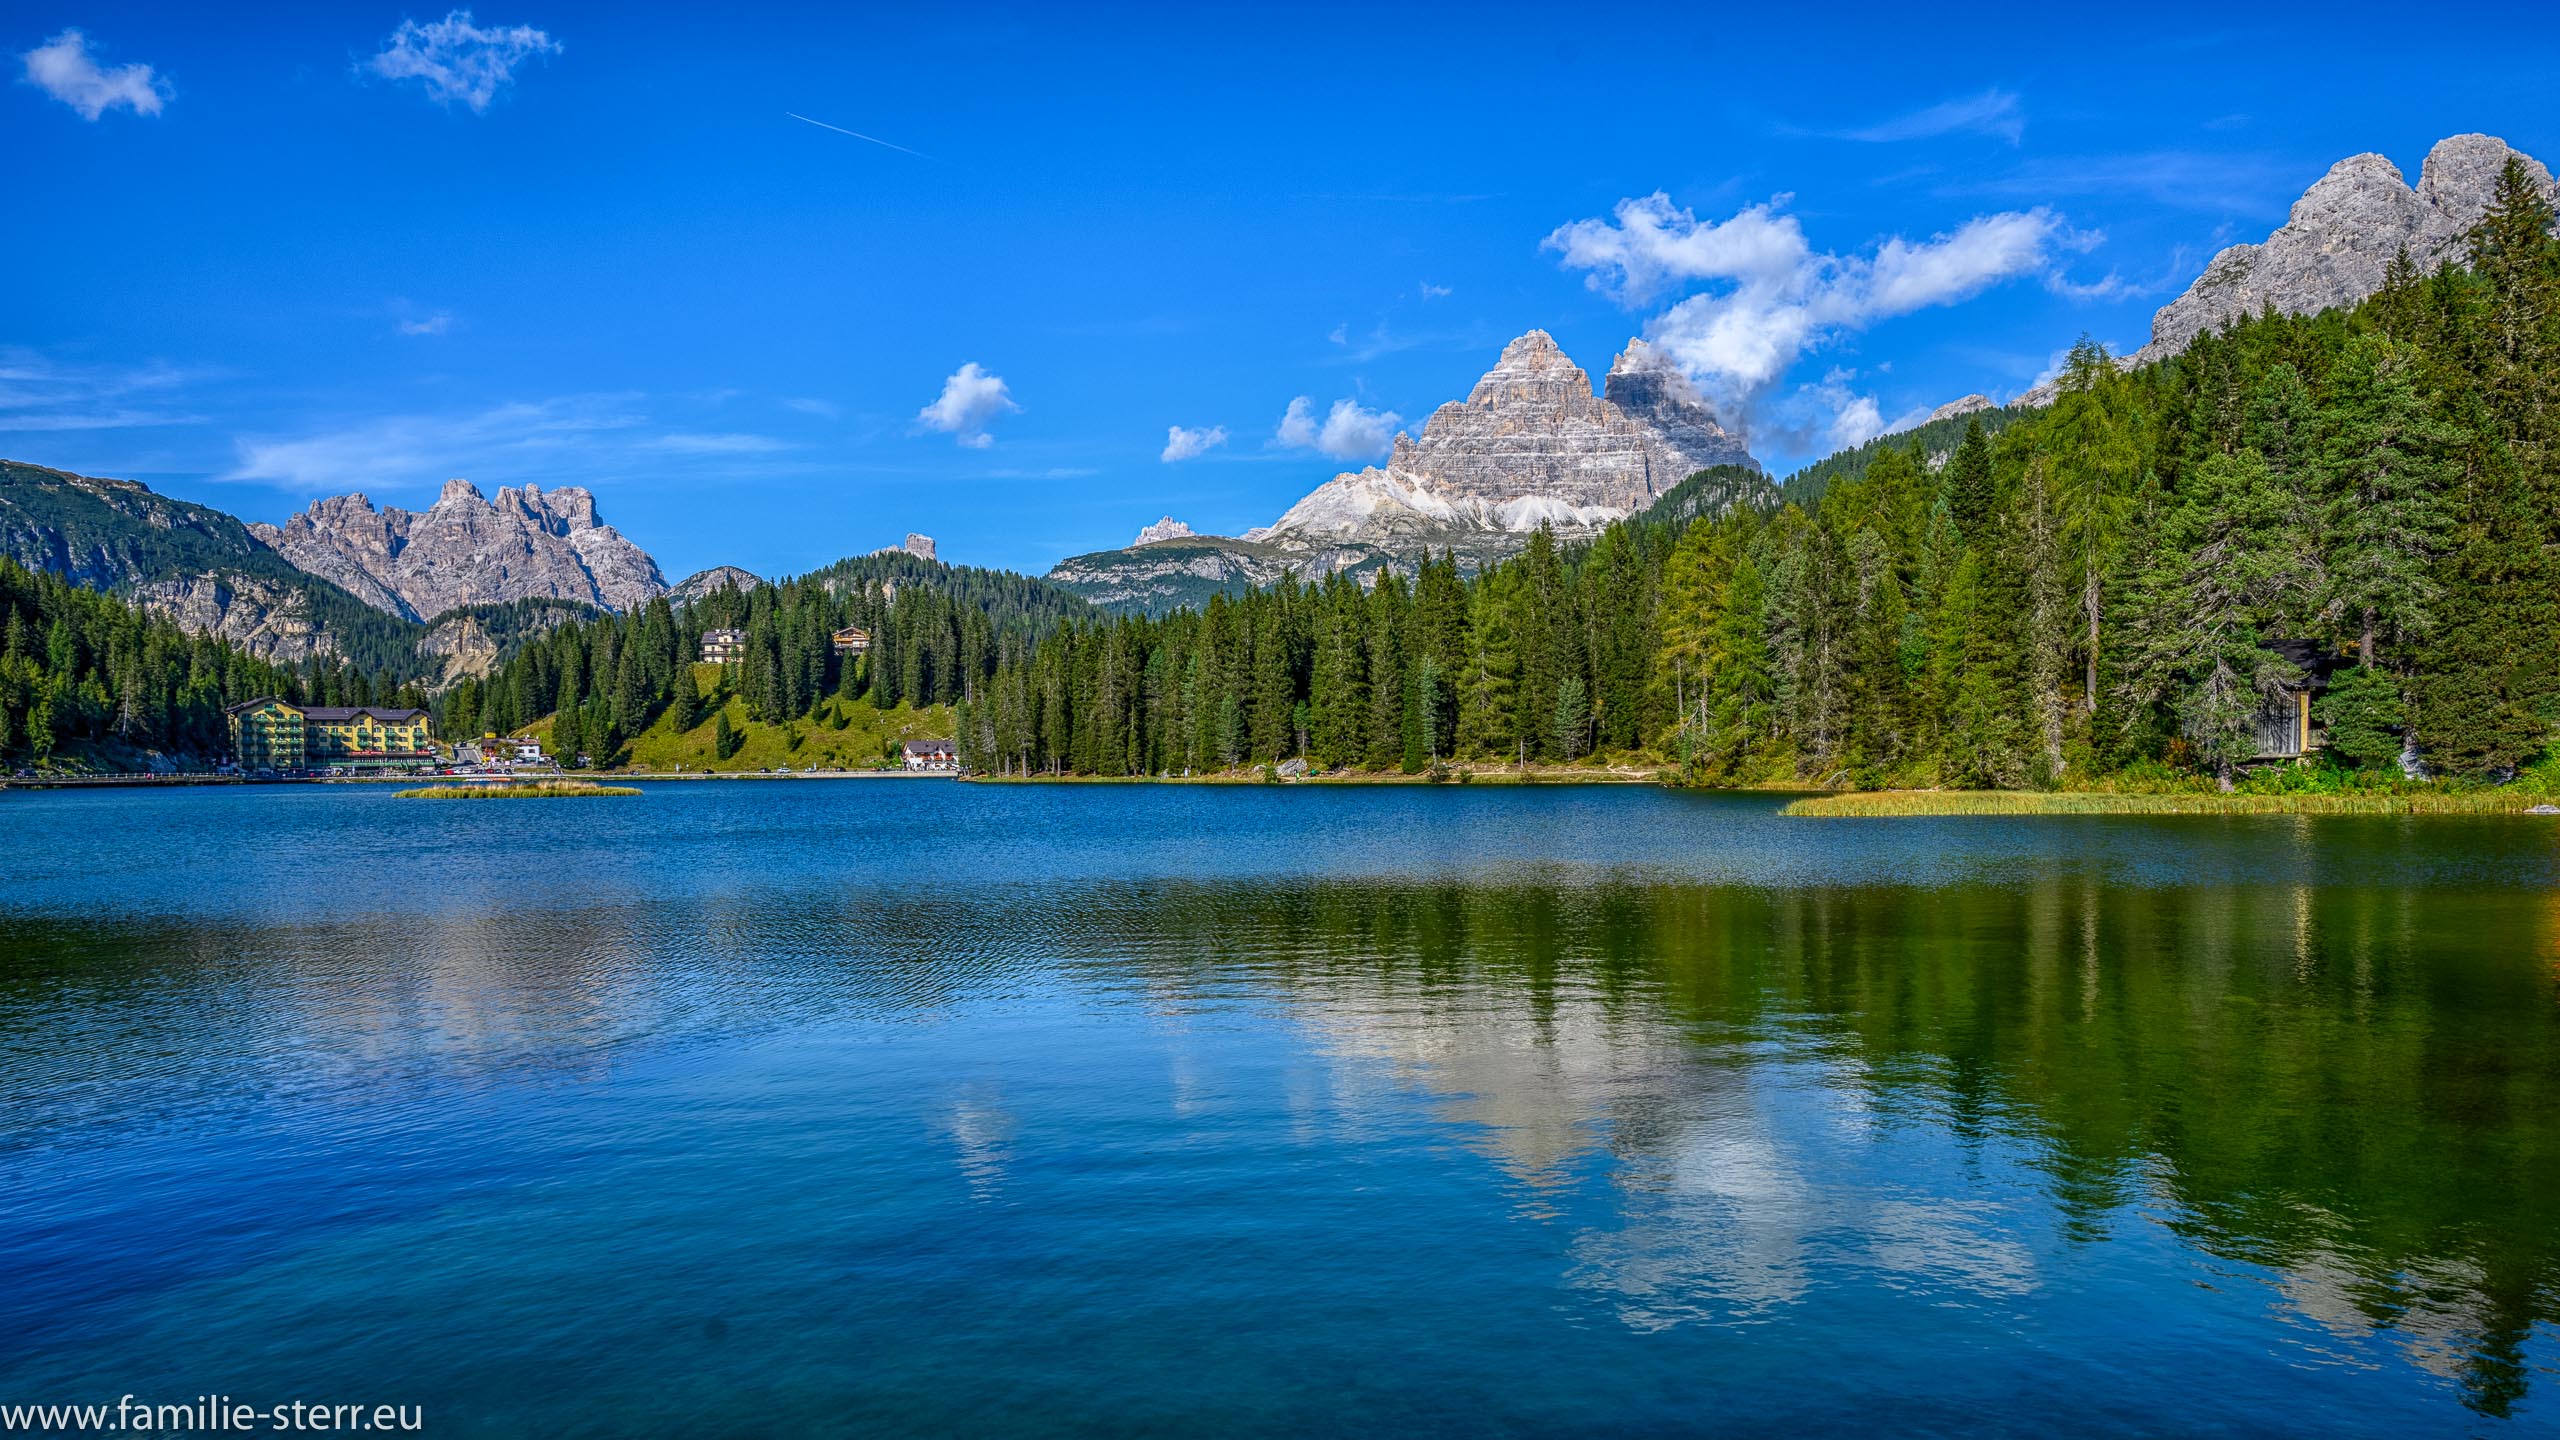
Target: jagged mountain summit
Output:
[
  {"x": 1532, "y": 445},
  {"x": 2337, "y": 244},
  {"x": 2340, "y": 239},
  {"x": 468, "y": 550},
  {"x": 1167, "y": 528},
  {"x": 711, "y": 582}
]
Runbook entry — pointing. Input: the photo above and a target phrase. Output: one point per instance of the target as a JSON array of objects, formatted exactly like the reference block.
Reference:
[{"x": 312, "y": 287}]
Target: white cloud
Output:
[
  {"x": 1436, "y": 292},
  {"x": 63, "y": 68},
  {"x": 418, "y": 449},
  {"x": 1340, "y": 334},
  {"x": 971, "y": 400},
  {"x": 39, "y": 395},
  {"x": 1297, "y": 426},
  {"x": 1185, "y": 444},
  {"x": 699, "y": 444},
  {"x": 458, "y": 60},
  {"x": 435, "y": 324},
  {"x": 1771, "y": 298},
  {"x": 823, "y": 409},
  {"x": 1349, "y": 432},
  {"x": 1993, "y": 112}
]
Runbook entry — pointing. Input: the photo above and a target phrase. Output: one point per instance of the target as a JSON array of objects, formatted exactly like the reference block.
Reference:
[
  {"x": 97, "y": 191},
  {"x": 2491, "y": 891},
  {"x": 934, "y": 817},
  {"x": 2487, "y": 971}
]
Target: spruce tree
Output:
[{"x": 2381, "y": 475}]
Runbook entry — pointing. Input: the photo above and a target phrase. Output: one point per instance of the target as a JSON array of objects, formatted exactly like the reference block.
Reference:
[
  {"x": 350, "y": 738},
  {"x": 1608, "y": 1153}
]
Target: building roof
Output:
[
  {"x": 332, "y": 713},
  {"x": 724, "y": 634},
  {"x": 383, "y": 713},
  {"x": 930, "y": 747}
]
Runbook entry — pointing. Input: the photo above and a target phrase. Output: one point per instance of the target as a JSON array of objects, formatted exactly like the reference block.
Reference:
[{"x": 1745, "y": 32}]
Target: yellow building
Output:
[{"x": 272, "y": 734}]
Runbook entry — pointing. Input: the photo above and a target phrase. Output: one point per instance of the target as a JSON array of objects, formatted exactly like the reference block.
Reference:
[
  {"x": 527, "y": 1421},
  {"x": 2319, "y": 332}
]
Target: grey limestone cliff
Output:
[
  {"x": 2341, "y": 237},
  {"x": 1531, "y": 445},
  {"x": 468, "y": 550}
]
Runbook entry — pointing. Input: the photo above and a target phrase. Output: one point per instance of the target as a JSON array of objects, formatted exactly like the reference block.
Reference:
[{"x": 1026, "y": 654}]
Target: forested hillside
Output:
[
  {"x": 2101, "y": 587},
  {"x": 180, "y": 557},
  {"x": 936, "y": 630},
  {"x": 86, "y": 672},
  {"x": 1935, "y": 440}
]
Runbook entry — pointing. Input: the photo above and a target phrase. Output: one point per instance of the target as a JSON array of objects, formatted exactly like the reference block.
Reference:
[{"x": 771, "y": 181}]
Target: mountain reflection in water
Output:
[{"x": 1629, "y": 1104}]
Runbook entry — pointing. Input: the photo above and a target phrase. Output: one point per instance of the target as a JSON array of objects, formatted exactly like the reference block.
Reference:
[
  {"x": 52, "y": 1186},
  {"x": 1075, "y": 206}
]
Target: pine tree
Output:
[
  {"x": 2381, "y": 474},
  {"x": 684, "y": 702},
  {"x": 2223, "y": 568},
  {"x": 1486, "y": 706},
  {"x": 1572, "y": 720}
]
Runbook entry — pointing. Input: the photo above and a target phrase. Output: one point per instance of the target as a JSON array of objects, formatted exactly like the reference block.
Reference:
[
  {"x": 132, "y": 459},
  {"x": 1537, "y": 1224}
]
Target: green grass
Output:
[
  {"x": 2071, "y": 802},
  {"x": 523, "y": 790},
  {"x": 869, "y": 740}
]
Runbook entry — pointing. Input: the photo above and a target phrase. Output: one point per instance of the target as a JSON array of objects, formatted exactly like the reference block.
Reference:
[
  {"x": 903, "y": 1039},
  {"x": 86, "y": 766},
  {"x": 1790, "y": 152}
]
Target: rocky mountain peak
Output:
[
  {"x": 468, "y": 550},
  {"x": 2341, "y": 237},
  {"x": 1167, "y": 528},
  {"x": 1965, "y": 405},
  {"x": 712, "y": 581},
  {"x": 1533, "y": 370},
  {"x": 1531, "y": 445}
]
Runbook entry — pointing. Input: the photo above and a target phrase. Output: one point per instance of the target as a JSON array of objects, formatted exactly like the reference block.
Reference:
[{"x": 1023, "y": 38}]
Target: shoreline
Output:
[{"x": 1918, "y": 804}]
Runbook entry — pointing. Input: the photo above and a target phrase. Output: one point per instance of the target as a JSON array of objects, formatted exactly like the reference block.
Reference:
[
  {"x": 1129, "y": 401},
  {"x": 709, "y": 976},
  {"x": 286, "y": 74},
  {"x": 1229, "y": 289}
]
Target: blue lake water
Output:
[{"x": 749, "y": 1108}]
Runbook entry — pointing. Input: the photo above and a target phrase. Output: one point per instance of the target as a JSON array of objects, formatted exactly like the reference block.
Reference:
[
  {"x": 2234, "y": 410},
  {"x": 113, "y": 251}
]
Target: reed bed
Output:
[
  {"x": 2068, "y": 802},
  {"x": 525, "y": 790}
]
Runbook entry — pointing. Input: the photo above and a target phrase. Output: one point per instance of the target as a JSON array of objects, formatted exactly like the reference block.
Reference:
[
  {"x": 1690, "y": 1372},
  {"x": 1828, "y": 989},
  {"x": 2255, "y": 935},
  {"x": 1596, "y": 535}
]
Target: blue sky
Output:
[{"x": 337, "y": 247}]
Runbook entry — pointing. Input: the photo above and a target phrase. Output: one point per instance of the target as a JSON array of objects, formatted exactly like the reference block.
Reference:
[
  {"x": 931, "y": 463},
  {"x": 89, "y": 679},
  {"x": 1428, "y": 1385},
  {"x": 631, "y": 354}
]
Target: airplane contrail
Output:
[{"x": 858, "y": 135}]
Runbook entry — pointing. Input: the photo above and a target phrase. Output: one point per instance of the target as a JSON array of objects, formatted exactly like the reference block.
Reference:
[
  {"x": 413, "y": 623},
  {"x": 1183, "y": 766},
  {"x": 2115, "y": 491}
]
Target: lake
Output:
[{"x": 810, "y": 1106}]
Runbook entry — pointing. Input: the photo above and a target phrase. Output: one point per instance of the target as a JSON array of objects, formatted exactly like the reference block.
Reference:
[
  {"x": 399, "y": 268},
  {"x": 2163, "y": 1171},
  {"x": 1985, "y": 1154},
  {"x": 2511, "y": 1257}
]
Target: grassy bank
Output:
[
  {"x": 2065, "y": 802},
  {"x": 1451, "y": 775},
  {"x": 524, "y": 790},
  {"x": 842, "y": 735}
]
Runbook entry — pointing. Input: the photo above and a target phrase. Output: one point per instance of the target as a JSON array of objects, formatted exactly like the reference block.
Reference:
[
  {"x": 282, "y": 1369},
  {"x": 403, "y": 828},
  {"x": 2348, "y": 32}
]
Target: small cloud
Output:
[
  {"x": 1436, "y": 292},
  {"x": 2185, "y": 179},
  {"x": 435, "y": 324},
  {"x": 970, "y": 401},
  {"x": 1993, "y": 112},
  {"x": 63, "y": 68},
  {"x": 823, "y": 409},
  {"x": 1185, "y": 444},
  {"x": 687, "y": 444},
  {"x": 405, "y": 449},
  {"x": 1054, "y": 472},
  {"x": 459, "y": 61},
  {"x": 1340, "y": 334},
  {"x": 1348, "y": 432},
  {"x": 38, "y": 394},
  {"x": 2110, "y": 286},
  {"x": 2227, "y": 122}
]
